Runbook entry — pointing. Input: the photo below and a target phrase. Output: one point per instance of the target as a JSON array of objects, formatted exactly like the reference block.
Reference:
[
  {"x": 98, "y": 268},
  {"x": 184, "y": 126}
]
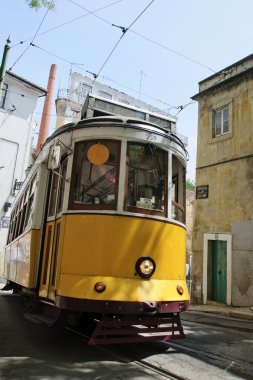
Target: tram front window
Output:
[
  {"x": 146, "y": 177},
  {"x": 95, "y": 174}
]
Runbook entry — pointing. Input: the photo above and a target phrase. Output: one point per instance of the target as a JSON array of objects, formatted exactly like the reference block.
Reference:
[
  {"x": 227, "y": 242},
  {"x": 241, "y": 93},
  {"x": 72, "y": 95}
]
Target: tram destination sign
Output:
[{"x": 202, "y": 192}]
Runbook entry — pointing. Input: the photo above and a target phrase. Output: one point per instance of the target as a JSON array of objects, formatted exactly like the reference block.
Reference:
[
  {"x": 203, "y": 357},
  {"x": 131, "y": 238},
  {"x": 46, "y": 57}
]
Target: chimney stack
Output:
[{"x": 45, "y": 120}]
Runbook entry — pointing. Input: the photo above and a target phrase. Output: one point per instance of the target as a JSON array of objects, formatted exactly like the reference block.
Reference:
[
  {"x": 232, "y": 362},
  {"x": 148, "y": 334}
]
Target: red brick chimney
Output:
[{"x": 45, "y": 120}]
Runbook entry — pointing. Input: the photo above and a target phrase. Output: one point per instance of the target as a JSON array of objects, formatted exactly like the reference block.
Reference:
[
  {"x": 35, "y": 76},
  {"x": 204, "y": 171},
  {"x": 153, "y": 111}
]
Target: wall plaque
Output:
[{"x": 202, "y": 192}]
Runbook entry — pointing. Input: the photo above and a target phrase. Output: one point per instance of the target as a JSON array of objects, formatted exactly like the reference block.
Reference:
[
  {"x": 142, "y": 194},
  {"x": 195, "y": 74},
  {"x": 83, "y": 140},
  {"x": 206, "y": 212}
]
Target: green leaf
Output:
[
  {"x": 36, "y": 4},
  {"x": 190, "y": 185}
]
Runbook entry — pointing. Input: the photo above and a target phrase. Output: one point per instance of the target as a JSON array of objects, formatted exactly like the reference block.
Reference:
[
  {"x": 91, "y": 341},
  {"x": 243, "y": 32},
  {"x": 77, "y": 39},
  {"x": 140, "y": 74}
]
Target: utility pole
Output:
[{"x": 3, "y": 64}]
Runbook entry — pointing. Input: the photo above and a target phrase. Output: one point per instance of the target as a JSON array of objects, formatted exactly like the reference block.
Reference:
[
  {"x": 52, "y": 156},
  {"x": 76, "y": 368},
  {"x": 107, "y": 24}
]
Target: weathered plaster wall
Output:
[
  {"x": 242, "y": 263},
  {"x": 225, "y": 163}
]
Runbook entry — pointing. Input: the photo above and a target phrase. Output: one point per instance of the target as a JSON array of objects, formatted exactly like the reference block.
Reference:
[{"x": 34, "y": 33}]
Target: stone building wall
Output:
[{"x": 225, "y": 165}]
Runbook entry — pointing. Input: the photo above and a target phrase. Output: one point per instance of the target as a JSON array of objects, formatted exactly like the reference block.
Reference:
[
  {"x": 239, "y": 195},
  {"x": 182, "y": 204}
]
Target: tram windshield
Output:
[
  {"x": 95, "y": 174},
  {"x": 95, "y": 177},
  {"x": 146, "y": 177}
]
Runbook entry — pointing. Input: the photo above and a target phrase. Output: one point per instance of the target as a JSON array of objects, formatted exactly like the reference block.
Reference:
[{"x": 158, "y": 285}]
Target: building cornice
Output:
[
  {"x": 27, "y": 82},
  {"x": 225, "y": 77}
]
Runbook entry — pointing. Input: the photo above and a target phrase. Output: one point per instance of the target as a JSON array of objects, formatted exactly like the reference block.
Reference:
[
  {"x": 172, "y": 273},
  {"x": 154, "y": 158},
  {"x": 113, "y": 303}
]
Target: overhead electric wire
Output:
[
  {"x": 74, "y": 19},
  {"x": 137, "y": 91},
  {"x": 21, "y": 55},
  {"x": 117, "y": 43},
  {"x": 93, "y": 13},
  {"x": 174, "y": 51},
  {"x": 48, "y": 52},
  {"x": 78, "y": 65},
  {"x": 146, "y": 38},
  {"x": 124, "y": 30},
  {"x": 181, "y": 108}
]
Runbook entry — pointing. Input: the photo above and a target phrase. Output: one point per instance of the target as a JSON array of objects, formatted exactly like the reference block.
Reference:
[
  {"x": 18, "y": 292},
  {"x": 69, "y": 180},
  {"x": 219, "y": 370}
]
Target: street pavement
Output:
[
  {"x": 224, "y": 310},
  {"x": 29, "y": 351},
  {"x": 35, "y": 352}
]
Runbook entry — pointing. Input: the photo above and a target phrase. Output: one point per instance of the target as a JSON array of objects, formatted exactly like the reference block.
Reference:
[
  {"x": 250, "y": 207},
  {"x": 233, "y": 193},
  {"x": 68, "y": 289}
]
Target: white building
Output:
[
  {"x": 17, "y": 105},
  {"x": 85, "y": 99}
]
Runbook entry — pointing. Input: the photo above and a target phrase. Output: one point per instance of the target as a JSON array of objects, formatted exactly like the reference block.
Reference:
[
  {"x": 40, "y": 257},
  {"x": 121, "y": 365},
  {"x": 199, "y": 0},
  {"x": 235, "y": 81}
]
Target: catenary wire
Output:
[
  {"x": 174, "y": 51},
  {"x": 79, "y": 66},
  {"x": 93, "y": 13},
  {"x": 146, "y": 38},
  {"x": 181, "y": 108},
  {"x": 21, "y": 55},
  {"x": 124, "y": 30},
  {"x": 72, "y": 20},
  {"x": 137, "y": 91},
  {"x": 117, "y": 43}
]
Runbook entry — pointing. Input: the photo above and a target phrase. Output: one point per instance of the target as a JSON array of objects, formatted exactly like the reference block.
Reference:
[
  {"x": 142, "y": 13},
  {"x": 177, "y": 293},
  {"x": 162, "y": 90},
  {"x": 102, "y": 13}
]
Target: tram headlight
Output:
[{"x": 145, "y": 267}]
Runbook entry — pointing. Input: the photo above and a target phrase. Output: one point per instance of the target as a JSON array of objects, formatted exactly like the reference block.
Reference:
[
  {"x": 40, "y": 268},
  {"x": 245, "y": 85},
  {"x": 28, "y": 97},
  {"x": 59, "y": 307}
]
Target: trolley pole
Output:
[{"x": 3, "y": 64}]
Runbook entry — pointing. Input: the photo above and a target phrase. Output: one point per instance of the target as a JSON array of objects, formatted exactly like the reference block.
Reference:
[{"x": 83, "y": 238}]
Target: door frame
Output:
[{"x": 208, "y": 251}]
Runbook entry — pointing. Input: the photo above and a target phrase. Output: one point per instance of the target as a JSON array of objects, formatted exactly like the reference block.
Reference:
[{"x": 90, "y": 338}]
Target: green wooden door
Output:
[{"x": 219, "y": 271}]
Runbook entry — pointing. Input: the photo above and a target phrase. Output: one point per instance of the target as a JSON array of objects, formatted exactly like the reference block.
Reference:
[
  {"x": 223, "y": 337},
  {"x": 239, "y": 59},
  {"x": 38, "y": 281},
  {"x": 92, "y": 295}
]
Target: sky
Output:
[{"x": 169, "y": 47}]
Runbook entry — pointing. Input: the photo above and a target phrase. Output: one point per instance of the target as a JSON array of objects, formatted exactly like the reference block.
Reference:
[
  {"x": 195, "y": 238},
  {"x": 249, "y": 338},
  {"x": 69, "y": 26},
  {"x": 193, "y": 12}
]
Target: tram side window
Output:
[
  {"x": 57, "y": 189},
  {"x": 26, "y": 200},
  {"x": 12, "y": 225},
  {"x": 20, "y": 217},
  {"x": 178, "y": 190},
  {"x": 63, "y": 172},
  {"x": 16, "y": 224},
  {"x": 14, "y": 229},
  {"x": 30, "y": 203},
  {"x": 22, "y": 213},
  {"x": 146, "y": 178},
  {"x": 95, "y": 175},
  {"x": 53, "y": 193}
]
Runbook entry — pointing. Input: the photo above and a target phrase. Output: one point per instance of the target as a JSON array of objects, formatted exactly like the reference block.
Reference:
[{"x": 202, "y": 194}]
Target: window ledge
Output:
[{"x": 223, "y": 137}]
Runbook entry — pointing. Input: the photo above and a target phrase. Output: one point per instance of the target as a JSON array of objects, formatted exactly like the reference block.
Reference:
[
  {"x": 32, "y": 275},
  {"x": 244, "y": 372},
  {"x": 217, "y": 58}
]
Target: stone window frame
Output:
[{"x": 224, "y": 135}]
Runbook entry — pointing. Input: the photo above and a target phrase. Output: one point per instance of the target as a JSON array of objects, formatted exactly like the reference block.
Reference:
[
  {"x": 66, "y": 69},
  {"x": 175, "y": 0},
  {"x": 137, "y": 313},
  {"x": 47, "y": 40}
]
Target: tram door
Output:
[
  {"x": 219, "y": 271},
  {"x": 52, "y": 232}
]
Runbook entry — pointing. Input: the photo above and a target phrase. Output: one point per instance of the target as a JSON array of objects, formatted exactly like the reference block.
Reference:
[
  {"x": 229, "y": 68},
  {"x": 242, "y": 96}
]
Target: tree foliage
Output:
[
  {"x": 36, "y": 4},
  {"x": 190, "y": 185}
]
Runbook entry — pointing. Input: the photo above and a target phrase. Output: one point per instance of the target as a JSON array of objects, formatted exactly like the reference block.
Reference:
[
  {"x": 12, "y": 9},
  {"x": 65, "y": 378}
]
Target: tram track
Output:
[
  {"x": 120, "y": 355},
  {"x": 209, "y": 356},
  {"x": 158, "y": 367}
]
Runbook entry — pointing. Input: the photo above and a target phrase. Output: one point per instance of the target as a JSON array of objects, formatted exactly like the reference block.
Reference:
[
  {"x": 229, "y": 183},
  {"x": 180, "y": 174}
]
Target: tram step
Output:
[
  {"x": 45, "y": 314},
  {"x": 124, "y": 330}
]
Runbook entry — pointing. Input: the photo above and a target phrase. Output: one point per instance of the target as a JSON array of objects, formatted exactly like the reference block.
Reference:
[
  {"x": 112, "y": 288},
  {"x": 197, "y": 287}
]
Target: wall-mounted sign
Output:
[{"x": 202, "y": 192}]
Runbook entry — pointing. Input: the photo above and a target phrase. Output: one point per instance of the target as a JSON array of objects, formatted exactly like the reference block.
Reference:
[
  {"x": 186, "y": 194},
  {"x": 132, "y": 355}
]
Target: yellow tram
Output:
[{"x": 97, "y": 231}]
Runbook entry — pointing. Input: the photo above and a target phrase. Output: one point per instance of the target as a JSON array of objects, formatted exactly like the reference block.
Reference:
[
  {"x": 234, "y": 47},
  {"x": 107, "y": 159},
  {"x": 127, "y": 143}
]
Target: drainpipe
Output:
[
  {"x": 45, "y": 120},
  {"x": 3, "y": 64}
]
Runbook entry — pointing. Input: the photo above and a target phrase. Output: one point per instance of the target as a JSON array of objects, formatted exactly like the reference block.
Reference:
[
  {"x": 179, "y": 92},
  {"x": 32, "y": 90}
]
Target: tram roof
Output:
[{"x": 118, "y": 121}]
